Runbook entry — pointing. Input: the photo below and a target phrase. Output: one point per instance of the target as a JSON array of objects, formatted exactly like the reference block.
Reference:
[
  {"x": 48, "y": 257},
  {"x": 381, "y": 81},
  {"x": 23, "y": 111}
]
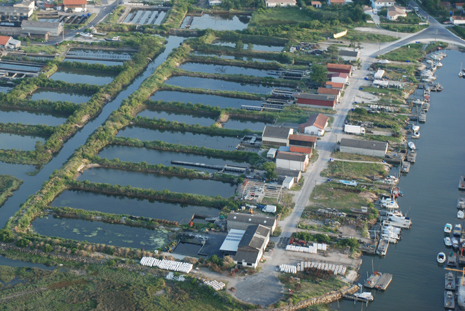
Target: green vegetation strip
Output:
[
  {"x": 8, "y": 184},
  {"x": 160, "y": 169}
]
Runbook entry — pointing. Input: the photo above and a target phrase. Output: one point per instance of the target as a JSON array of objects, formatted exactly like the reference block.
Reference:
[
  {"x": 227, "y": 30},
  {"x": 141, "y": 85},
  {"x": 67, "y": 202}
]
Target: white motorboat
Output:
[
  {"x": 411, "y": 145},
  {"x": 448, "y": 228},
  {"x": 366, "y": 296},
  {"x": 441, "y": 258},
  {"x": 455, "y": 243},
  {"x": 457, "y": 231},
  {"x": 416, "y": 135},
  {"x": 415, "y": 128},
  {"x": 405, "y": 221},
  {"x": 460, "y": 215},
  {"x": 447, "y": 241}
]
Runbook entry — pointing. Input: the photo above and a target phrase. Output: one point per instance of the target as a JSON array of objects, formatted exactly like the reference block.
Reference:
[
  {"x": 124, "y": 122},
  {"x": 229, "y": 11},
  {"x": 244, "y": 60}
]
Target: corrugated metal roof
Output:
[{"x": 232, "y": 240}]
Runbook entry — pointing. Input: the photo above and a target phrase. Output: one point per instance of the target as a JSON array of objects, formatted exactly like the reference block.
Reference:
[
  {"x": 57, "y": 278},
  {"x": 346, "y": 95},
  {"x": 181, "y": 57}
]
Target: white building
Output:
[
  {"x": 315, "y": 125},
  {"x": 292, "y": 160},
  {"x": 8, "y": 42},
  {"x": 457, "y": 20},
  {"x": 271, "y": 154},
  {"x": 33, "y": 27},
  {"x": 276, "y": 136},
  {"x": 379, "y": 74},
  {"x": 340, "y": 77},
  {"x": 288, "y": 182},
  {"x": 280, "y": 3},
  {"x": 394, "y": 12},
  {"x": 242, "y": 221},
  {"x": 214, "y": 2},
  {"x": 379, "y": 4},
  {"x": 364, "y": 147},
  {"x": 252, "y": 245}
]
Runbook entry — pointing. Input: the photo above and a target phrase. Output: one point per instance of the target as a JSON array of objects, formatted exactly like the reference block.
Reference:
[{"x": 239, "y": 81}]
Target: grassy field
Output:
[
  {"x": 309, "y": 286},
  {"x": 280, "y": 16},
  {"x": 351, "y": 156},
  {"x": 338, "y": 196},
  {"x": 354, "y": 170},
  {"x": 412, "y": 52},
  {"x": 103, "y": 288}
]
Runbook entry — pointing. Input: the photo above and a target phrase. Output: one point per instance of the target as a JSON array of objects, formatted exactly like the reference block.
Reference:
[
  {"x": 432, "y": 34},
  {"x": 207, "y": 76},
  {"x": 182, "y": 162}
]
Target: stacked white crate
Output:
[{"x": 215, "y": 284}]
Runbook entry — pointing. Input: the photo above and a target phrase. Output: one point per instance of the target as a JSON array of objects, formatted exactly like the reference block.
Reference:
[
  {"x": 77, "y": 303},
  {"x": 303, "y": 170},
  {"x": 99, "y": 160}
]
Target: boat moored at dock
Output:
[
  {"x": 441, "y": 258},
  {"x": 449, "y": 281},
  {"x": 449, "y": 300},
  {"x": 452, "y": 259},
  {"x": 448, "y": 228},
  {"x": 462, "y": 182},
  {"x": 378, "y": 280}
]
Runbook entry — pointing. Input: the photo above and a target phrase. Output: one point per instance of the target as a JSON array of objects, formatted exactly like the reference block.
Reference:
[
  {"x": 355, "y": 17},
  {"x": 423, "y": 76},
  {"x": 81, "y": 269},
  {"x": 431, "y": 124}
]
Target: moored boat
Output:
[
  {"x": 461, "y": 293},
  {"x": 405, "y": 167},
  {"x": 452, "y": 259},
  {"x": 457, "y": 231},
  {"x": 448, "y": 228},
  {"x": 449, "y": 300},
  {"x": 447, "y": 241},
  {"x": 416, "y": 135},
  {"x": 461, "y": 203},
  {"x": 449, "y": 281},
  {"x": 462, "y": 183},
  {"x": 441, "y": 258},
  {"x": 460, "y": 214},
  {"x": 365, "y": 296},
  {"x": 411, "y": 145}
]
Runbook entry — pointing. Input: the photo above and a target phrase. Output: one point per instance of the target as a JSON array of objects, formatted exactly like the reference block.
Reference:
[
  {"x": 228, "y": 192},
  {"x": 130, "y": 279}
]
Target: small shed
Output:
[
  {"x": 379, "y": 74},
  {"x": 271, "y": 154},
  {"x": 288, "y": 182}
]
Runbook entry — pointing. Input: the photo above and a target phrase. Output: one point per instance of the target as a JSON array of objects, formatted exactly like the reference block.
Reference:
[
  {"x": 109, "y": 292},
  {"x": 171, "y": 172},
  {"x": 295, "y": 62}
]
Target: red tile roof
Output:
[
  {"x": 74, "y": 2},
  {"x": 300, "y": 149},
  {"x": 319, "y": 120},
  {"x": 311, "y": 139},
  {"x": 335, "y": 84},
  {"x": 325, "y": 90},
  {"x": 340, "y": 75},
  {"x": 4, "y": 40}
]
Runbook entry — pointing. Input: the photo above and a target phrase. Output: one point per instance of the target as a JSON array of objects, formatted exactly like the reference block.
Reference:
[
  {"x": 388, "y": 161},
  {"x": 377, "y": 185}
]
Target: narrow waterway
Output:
[
  {"x": 32, "y": 184},
  {"x": 431, "y": 194}
]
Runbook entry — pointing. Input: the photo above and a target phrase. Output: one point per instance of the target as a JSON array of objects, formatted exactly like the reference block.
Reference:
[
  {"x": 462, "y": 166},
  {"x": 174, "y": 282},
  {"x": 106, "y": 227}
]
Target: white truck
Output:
[{"x": 354, "y": 129}]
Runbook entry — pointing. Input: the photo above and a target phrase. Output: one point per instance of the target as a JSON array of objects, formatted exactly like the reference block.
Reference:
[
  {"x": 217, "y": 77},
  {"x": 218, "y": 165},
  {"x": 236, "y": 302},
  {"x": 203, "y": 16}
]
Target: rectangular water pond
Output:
[
  {"x": 93, "y": 61},
  {"x": 31, "y": 117},
  {"x": 221, "y": 69},
  {"x": 144, "y": 17},
  {"x": 178, "y": 117},
  {"x": 211, "y": 100},
  {"x": 187, "y": 138},
  {"x": 151, "y": 156},
  {"x": 18, "y": 142},
  {"x": 217, "y": 22},
  {"x": 237, "y": 124},
  {"x": 60, "y": 96},
  {"x": 16, "y": 170},
  {"x": 111, "y": 204},
  {"x": 158, "y": 182},
  {"x": 214, "y": 84},
  {"x": 72, "y": 75},
  {"x": 100, "y": 232},
  {"x": 260, "y": 60}
]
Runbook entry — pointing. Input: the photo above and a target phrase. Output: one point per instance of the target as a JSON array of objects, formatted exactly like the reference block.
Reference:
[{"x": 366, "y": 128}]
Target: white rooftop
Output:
[{"x": 231, "y": 242}]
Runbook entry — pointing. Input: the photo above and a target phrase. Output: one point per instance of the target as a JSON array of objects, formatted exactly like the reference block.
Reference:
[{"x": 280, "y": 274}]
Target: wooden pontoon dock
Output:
[{"x": 378, "y": 280}]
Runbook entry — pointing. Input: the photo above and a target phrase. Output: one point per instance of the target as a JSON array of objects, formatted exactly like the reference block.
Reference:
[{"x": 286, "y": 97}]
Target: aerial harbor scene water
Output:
[{"x": 232, "y": 155}]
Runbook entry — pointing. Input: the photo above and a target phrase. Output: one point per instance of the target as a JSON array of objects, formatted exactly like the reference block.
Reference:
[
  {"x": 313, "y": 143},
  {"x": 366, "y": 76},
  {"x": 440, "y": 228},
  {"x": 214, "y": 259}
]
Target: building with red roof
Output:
[
  {"x": 333, "y": 68},
  {"x": 75, "y": 5}
]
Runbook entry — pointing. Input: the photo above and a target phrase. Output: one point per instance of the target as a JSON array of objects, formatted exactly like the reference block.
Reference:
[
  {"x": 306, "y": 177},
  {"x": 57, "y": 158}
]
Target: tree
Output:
[
  {"x": 6, "y": 235},
  {"x": 269, "y": 168},
  {"x": 333, "y": 50},
  {"x": 319, "y": 74}
]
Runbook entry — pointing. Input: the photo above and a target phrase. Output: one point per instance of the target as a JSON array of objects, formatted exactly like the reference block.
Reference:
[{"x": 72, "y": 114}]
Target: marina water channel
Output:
[{"x": 430, "y": 198}]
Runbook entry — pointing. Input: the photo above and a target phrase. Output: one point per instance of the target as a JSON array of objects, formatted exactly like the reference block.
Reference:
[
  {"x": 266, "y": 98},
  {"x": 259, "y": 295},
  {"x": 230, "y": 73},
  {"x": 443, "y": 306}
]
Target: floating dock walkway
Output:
[
  {"x": 378, "y": 280},
  {"x": 229, "y": 168}
]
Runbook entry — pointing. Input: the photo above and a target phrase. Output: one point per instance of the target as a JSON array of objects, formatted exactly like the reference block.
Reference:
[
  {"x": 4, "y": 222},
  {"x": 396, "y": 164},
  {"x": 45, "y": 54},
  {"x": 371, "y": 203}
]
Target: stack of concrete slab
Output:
[
  {"x": 336, "y": 269},
  {"x": 288, "y": 268},
  {"x": 215, "y": 284}
]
